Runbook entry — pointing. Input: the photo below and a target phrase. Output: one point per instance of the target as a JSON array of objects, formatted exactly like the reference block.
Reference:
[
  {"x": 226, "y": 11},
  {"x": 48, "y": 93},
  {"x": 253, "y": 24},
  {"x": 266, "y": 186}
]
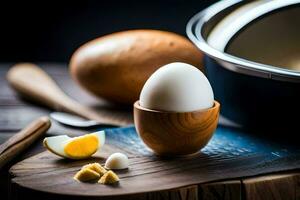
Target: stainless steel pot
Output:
[{"x": 254, "y": 92}]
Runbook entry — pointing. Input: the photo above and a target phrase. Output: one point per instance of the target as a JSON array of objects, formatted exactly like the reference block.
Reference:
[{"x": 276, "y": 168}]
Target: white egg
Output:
[
  {"x": 56, "y": 144},
  {"x": 117, "y": 161},
  {"x": 178, "y": 87}
]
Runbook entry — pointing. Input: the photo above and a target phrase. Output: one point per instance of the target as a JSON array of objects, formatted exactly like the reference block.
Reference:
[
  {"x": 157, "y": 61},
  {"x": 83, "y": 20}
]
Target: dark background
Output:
[{"x": 52, "y": 30}]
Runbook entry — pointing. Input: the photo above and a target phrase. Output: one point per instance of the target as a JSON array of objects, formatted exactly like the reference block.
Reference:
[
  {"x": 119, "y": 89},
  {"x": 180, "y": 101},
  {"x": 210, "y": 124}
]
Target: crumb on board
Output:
[
  {"x": 109, "y": 178},
  {"x": 94, "y": 171},
  {"x": 86, "y": 175},
  {"x": 96, "y": 167}
]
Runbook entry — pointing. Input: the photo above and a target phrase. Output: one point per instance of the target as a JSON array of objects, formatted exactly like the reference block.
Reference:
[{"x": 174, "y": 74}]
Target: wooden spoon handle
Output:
[
  {"x": 20, "y": 141},
  {"x": 33, "y": 83}
]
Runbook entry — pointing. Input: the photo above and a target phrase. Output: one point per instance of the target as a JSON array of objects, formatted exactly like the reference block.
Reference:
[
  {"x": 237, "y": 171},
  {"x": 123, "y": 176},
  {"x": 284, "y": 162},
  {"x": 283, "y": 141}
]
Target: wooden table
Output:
[{"x": 15, "y": 113}]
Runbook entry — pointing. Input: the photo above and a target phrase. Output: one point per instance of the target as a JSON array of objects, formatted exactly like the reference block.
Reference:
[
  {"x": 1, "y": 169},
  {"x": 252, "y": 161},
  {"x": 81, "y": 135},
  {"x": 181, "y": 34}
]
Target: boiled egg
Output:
[
  {"x": 77, "y": 147},
  {"x": 178, "y": 87}
]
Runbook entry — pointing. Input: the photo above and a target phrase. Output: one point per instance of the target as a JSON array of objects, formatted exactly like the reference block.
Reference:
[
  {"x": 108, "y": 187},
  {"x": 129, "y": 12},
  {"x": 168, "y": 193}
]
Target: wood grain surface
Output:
[
  {"x": 281, "y": 186},
  {"x": 231, "y": 190},
  {"x": 149, "y": 173},
  {"x": 145, "y": 179},
  {"x": 23, "y": 139},
  {"x": 51, "y": 174},
  {"x": 33, "y": 83},
  {"x": 15, "y": 113},
  {"x": 183, "y": 132}
]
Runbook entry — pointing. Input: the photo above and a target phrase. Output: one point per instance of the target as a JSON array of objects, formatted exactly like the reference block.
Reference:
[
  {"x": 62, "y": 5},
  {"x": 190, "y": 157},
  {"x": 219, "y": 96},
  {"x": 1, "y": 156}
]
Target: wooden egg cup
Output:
[{"x": 175, "y": 133}]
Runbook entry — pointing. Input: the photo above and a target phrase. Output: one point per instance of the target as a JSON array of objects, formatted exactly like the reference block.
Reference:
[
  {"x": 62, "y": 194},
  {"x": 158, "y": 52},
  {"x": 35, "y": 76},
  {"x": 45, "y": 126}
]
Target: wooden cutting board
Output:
[{"x": 230, "y": 154}]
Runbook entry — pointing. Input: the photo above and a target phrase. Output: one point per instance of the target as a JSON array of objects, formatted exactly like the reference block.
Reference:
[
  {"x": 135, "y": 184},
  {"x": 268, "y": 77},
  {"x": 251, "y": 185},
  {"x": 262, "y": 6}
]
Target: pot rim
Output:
[{"x": 230, "y": 62}]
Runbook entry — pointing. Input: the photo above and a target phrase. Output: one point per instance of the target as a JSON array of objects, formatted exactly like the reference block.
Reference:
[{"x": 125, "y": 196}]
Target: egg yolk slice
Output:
[
  {"x": 82, "y": 147},
  {"x": 95, "y": 167},
  {"x": 109, "y": 178},
  {"x": 86, "y": 175}
]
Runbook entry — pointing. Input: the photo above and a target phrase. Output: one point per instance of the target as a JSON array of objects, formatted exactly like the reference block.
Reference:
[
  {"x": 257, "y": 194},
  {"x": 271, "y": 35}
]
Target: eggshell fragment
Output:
[{"x": 117, "y": 161}]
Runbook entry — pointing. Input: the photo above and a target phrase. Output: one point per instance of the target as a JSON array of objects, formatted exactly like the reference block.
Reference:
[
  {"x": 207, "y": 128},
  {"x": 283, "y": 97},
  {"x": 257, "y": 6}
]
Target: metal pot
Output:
[{"x": 256, "y": 90}]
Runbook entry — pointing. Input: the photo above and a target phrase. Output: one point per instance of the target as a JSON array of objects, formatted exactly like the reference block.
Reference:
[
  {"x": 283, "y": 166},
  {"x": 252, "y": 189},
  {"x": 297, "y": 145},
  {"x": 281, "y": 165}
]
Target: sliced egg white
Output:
[{"x": 56, "y": 144}]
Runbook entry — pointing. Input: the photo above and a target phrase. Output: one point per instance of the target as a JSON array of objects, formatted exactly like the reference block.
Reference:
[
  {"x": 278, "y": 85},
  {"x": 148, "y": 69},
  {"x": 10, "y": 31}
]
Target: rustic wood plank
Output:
[
  {"x": 278, "y": 187},
  {"x": 148, "y": 173},
  {"x": 51, "y": 174},
  {"x": 4, "y": 136},
  {"x": 230, "y": 190},
  {"x": 12, "y": 119},
  {"x": 186, "y": 193},
  {"x": 60, "y": 73},
  {"x": 16, "y": 112}
]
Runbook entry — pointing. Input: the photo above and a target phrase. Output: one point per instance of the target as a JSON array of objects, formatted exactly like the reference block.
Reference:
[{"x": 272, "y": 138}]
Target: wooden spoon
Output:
[
  {"x": 32, "y": 82},
  {"x": 20, "y": 141}
]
